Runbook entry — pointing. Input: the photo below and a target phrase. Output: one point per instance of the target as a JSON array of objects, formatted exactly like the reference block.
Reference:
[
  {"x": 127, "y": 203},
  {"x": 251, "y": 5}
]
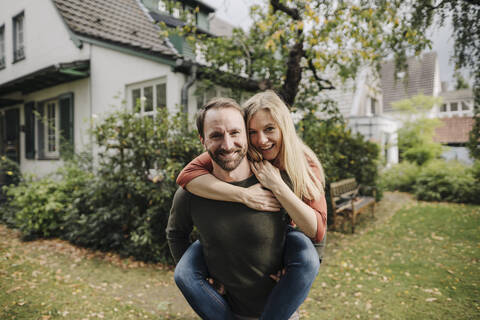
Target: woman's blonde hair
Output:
[{"x": 306, "y": 184}]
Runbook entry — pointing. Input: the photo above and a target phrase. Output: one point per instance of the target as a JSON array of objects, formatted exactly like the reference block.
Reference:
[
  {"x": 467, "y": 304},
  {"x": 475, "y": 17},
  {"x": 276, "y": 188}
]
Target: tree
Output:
[
  {"x": 300, "y": 48},
  {"x": 415, "y": 137},
  {"x": 465, "y": 16},
  {"x": 460, "y": 83}
]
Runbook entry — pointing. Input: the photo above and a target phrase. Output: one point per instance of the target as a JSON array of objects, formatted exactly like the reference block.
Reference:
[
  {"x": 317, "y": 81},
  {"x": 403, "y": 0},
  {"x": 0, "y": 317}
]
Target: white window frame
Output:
[
  {"x": 141, "y": 86},
  {"x": 19, "y": 37},
  {"x": 47, "y": 133},
  {"x": 2, "y": 47},
  {"x": 161, "y": 6},
  {"x": 459, "y": 112}
]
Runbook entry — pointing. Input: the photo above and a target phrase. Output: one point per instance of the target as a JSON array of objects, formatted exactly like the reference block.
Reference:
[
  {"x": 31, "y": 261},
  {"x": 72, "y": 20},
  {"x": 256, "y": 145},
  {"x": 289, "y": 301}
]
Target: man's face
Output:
[{"x": 225, "y": 137}]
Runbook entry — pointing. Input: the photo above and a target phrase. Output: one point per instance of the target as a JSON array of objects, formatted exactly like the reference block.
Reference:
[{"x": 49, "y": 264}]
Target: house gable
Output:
[{"x": 46, "y": 41}]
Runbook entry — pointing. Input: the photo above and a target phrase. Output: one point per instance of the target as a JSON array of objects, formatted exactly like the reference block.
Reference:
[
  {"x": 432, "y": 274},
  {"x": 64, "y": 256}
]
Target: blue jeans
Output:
[{"x": 301, "y": 263}]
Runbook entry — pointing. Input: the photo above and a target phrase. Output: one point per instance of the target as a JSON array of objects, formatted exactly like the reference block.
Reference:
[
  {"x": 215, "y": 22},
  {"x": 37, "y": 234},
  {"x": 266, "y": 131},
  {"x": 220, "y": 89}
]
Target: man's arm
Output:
[{"x": 179, "y": 225}]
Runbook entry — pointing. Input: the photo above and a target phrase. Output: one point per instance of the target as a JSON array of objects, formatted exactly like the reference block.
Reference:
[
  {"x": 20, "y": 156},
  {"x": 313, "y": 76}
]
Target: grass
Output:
[
  {"x": 50, "y": 279},
  {"x": 422, "y": 263}
]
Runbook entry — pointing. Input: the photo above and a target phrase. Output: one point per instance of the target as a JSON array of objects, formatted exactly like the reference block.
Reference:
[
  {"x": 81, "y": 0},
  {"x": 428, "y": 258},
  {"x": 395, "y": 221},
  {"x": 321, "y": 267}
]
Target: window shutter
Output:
[
  {"x": 40, "y": 132},
  {"x": 66, "y": 122},
  {"x": 29, "y": 130}
]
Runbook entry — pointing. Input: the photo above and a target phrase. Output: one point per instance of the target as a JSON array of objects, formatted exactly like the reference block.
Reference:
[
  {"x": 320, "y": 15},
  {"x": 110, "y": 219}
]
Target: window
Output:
[
  {"x": 148, "y": 98},
  {"x": 373, "y": 106},
  {"x": 2, "y": 47},
  {"x": 443, "y": 108},
  {"x": 18, "y": 37},
  {"x": 51, "y": 129},
  {"x": 54, "y": 127},
  {"x": 465, "y": 106},
  {"x": 454, "y": 106},
  {"x": 162, "y": 7}
]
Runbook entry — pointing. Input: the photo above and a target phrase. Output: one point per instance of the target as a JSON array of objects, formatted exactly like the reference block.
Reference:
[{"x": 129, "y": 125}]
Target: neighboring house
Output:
[
  {"x": 70, "y": 61},
  {"x": 366, "y": 104},
  {"x": 456, "y": 114},
  {"x": 423, "y": 76},
  {"x": 458, "y": 103},
  {"x": 360, "y": 103},
  {"x": 454, "y": 133}
]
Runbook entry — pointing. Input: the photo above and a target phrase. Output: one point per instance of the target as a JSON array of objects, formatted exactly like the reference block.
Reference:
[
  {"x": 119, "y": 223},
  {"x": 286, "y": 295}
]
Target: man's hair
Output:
[{"x": 215, "y": 103}]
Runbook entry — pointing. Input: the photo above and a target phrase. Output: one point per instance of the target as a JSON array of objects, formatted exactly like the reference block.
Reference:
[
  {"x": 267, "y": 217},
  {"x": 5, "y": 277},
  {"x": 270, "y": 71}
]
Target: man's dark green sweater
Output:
[{"x": 241, "y": 246}]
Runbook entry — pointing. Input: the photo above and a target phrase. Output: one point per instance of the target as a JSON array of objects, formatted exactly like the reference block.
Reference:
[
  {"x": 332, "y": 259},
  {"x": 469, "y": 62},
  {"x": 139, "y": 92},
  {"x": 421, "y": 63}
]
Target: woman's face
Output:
[{"x": 265, "y": 135}]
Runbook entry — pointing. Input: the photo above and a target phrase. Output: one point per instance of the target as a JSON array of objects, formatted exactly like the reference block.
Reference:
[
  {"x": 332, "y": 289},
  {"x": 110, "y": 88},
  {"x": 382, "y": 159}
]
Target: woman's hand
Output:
[
  {"x": 268, "y": 175},
  {"x": 218, "y": 286},
  {"x": 257, "y": 198},
  {"x": 279, "y": 275}
]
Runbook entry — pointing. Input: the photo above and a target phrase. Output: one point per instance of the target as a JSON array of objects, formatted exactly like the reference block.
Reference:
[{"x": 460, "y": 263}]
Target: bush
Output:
[
  {"x": 38, "y": 207},
  {"x": 10, "y": 175},
  {"x": 9, "y": 172},
  {"x": 342, "y": 154},
  {"x": 447, "y": 181},
  {"x": 122, "y": 210},
  {"x": 401, "y": 177}
]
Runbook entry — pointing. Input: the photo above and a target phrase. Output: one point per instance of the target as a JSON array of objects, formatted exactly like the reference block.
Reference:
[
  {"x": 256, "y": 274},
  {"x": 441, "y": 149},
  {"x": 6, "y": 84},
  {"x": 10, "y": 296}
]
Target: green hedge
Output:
[
  {"x": 436, "y": 180},
  {"x": 400, "y": 176},
  {"x": 447, "y": 181}
]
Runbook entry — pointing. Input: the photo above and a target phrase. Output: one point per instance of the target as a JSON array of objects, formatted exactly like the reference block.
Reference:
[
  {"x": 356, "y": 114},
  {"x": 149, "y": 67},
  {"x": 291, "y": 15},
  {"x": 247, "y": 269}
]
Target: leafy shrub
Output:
[
  {"x": 9, "y": 172},
  {"x": 10, "y": 175},
  {"x": 39, "y": 206},
  {"x": 401, "y": 177},
  {"x": 342, "y": 154},
  {"x": 122, "y": 209},
  {"x": 447, "y": 181}
]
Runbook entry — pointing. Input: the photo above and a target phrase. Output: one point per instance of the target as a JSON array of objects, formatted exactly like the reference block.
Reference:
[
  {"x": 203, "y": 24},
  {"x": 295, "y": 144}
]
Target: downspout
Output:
[{"x": 192, "y": 77}]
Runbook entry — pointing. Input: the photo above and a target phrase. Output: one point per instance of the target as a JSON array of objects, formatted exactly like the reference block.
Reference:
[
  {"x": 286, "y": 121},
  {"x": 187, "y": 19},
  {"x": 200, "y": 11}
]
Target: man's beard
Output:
[{"x": 228, "y": 165}]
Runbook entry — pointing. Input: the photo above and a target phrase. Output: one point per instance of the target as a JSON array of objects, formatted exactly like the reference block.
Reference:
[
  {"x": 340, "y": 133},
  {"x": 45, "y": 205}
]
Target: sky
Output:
[{"x": 236, "y": 12}]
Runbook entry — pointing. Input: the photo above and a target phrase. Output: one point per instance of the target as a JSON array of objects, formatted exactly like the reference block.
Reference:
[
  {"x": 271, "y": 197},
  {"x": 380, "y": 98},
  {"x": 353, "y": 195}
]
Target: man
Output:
[{"x": 241, "y": 246}]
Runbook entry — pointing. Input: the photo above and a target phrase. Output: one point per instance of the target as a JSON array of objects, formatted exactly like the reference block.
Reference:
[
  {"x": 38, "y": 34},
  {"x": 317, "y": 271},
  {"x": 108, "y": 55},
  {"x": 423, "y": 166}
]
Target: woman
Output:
[{"x": 273, "y": 147}]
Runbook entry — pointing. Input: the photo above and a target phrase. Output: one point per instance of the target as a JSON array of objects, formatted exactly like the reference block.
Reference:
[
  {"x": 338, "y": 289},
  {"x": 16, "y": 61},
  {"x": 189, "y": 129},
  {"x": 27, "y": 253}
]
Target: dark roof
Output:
[
  {"x": 121, "y": 22},
  {"x": 171, "y": 21},
  {"x": 453, "y": 130},
  {"x": 202, "y": 5},
  {"x": 48, "y": 77},
  {"x": 419, "y": 78}
]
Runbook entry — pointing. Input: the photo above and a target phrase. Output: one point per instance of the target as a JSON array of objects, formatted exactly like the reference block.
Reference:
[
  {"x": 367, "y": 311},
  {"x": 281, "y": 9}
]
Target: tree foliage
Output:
[
  {"x": 465, "y": 15},
  {"x": 300, "y": 47},
  {"x": 415, "y": 137}
]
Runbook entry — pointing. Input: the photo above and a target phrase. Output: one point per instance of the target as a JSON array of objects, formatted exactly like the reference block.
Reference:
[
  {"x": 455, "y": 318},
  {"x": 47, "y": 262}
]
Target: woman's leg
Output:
[
  {"x": 302, "y": 264},
  {"x": 190, "y": 276}
]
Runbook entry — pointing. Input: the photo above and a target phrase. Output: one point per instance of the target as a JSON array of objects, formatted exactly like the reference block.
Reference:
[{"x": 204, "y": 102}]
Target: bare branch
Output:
[
  {"x": 320, "y": 81},
  {"x": 292, "y": 12}
]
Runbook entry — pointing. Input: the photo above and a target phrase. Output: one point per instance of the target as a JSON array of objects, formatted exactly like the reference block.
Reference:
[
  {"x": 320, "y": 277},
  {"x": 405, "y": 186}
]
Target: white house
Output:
[
  {"x": 71, "y": 61},
  {"x": 455, "y": 112},
  {"x": 361, "y": 104},
  {"x": 366, "y": 104}
]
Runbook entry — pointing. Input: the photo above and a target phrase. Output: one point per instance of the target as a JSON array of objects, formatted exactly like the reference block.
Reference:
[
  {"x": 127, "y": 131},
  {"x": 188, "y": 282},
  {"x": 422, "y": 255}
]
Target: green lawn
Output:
[{"x": 422, "y": 263}]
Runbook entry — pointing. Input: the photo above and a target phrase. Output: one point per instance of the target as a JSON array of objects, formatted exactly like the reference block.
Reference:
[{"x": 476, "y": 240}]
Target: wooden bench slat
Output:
[{"x": 341, "y": 193}]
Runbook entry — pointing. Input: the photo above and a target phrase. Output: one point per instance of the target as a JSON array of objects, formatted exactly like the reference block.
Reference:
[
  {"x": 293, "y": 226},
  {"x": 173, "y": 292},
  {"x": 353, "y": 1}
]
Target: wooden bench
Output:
[{"x": 347, "y": 202}]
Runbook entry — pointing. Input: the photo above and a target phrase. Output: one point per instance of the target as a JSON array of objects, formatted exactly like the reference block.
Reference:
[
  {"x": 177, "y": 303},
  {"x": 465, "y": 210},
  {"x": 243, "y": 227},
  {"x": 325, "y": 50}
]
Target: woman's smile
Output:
[{"x": 265, "y": 135}]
